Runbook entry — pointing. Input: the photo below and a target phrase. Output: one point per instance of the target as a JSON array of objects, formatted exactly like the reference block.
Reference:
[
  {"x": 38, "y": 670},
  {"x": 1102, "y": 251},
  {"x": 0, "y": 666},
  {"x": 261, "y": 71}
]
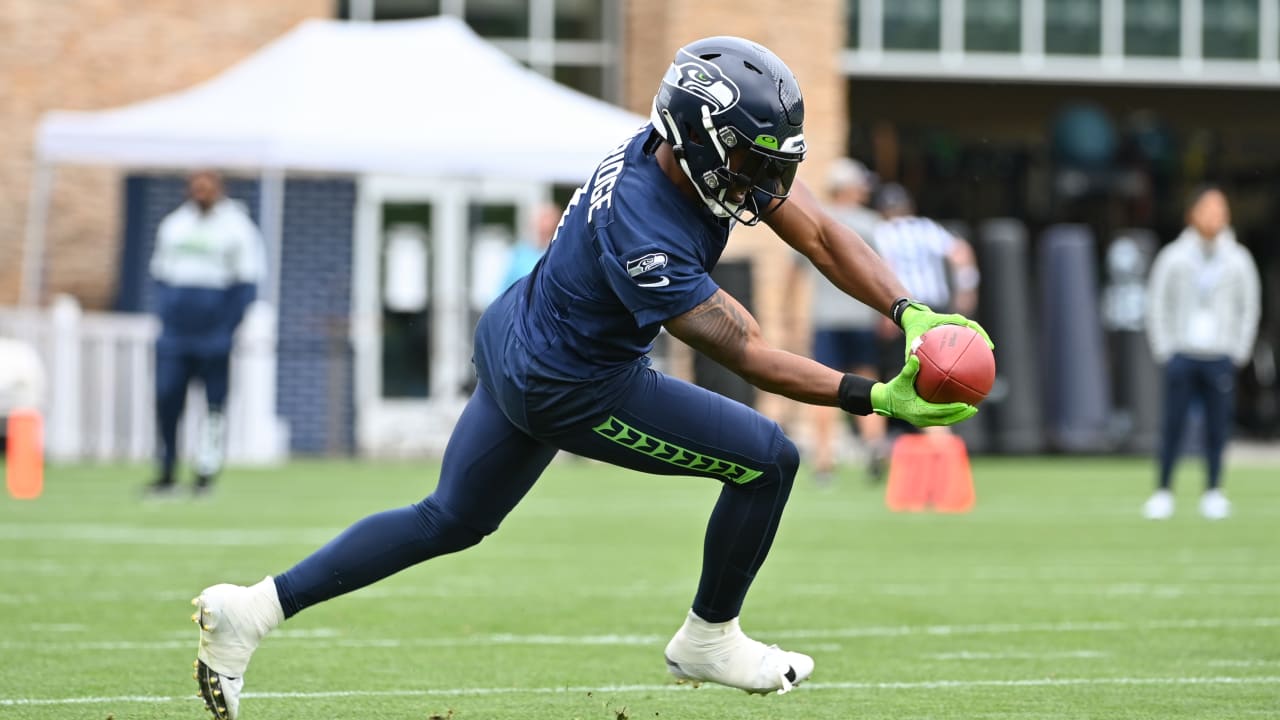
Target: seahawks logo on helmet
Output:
[{"x": 704, "y": 80}]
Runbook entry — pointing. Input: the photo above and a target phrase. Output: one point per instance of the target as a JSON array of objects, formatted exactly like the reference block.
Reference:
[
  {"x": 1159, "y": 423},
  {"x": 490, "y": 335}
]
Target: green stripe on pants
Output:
[{"x": 627, "y": 436}]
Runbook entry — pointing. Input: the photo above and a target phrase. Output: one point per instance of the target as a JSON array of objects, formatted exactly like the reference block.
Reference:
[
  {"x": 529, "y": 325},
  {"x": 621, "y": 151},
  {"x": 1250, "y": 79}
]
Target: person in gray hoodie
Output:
[{"x": 1204, "y": 303}]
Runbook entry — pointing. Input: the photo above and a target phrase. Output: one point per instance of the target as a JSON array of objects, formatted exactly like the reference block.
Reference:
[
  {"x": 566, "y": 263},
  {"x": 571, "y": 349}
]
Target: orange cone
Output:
[
  {"x": 24, "y": 467},
  {"x": 929, "y": 471}
]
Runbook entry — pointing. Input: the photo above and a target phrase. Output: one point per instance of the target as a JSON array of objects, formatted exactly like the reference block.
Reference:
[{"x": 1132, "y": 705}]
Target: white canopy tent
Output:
[{"x": 424, "y": 98}]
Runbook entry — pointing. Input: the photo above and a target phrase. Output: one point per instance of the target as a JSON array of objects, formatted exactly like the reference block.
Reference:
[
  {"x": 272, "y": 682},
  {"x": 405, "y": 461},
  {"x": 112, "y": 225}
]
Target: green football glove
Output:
[
  {"x": 917, "y": 319},
  {"x": 898, "y": 399}
]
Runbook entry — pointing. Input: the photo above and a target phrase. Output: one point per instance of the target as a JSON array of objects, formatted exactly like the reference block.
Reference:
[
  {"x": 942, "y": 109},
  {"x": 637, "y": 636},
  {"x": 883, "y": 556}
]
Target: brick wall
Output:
[
  {"x": 92, "y": 54},
  {"x": 316, "y": 373}
]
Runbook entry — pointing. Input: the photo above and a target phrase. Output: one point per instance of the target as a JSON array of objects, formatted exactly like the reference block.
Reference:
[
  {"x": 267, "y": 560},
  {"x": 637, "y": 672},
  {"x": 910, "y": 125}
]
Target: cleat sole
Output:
[{"x": 210, "y": 691}]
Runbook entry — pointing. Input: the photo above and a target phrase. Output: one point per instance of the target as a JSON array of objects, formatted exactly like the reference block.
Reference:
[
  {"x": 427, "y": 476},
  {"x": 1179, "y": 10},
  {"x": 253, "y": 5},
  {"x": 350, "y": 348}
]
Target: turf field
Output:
[{"x": 1052, "y": 599}]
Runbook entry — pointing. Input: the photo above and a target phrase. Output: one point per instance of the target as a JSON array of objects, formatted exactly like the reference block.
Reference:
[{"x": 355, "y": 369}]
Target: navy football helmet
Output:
[{"x": 733, "y": 114}]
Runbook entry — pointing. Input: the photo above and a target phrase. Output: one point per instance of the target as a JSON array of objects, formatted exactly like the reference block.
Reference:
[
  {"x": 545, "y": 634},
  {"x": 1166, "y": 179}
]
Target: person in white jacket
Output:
[
  {"x": 1204, "y": 299},
  {"x": 208, "y": 260}
]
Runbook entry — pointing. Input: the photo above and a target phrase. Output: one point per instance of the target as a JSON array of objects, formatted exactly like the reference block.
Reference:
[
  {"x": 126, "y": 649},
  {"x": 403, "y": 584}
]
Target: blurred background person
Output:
[
  {"x": 1205, "y": 299},
  {"x": 527, "y": 250},
  {"x": 938, "y": 268},
  {"x": 208, "y": 260},
  {"x": 844, "y": 330}
]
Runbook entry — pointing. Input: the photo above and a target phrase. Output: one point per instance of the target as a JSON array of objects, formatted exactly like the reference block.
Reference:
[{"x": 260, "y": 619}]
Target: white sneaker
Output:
[
  {"x": 1214, "y": 505},
  {"x": 722, "y": 653},
  {"x": 1159, "y": 506},
  {"x": 233, "y": 619}
]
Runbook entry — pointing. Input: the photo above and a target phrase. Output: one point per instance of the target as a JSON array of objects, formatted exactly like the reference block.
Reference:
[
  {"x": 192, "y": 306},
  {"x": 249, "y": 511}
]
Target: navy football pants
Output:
[
  {"x": 1212, "y": 383},
  {"x": 664, "y": 426},
  {"x": 174, "y": 372}
]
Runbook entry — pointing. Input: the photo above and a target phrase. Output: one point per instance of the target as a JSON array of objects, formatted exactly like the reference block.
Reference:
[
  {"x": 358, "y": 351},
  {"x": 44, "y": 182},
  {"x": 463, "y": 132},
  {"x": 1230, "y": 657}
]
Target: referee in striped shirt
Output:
[{"x": 937, "y": 268}]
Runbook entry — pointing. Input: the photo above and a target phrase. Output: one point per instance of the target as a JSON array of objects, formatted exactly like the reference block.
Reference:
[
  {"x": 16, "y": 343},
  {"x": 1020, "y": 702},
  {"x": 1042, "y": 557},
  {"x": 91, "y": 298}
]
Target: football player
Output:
[{"x": 562, "y": 363}]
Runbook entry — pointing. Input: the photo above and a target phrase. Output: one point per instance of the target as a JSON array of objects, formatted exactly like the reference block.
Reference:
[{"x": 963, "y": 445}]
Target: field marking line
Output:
[
  {"x": 316, "y": 535},
  {"x": 480, "y": 692},
  {"x": 981, "y": 655},
  {"x": 1013, "y": 628},
  {"x": 322, "y": 638},
  {"x": 131, "y": 535}
]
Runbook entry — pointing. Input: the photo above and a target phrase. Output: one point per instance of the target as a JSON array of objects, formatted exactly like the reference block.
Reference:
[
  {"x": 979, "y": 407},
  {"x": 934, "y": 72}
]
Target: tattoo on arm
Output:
[{"x": 719, "y": 327}]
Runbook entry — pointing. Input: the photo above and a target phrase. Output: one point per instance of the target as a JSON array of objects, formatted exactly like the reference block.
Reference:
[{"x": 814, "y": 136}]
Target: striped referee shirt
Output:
[{"x": 916, "y": 249}]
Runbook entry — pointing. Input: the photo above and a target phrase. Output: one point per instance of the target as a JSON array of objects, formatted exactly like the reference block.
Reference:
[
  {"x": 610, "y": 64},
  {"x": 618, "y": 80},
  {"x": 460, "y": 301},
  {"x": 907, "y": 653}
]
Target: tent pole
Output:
[
  {"x": 33, "y": 247},
  {"x": 271, "y": 219}
]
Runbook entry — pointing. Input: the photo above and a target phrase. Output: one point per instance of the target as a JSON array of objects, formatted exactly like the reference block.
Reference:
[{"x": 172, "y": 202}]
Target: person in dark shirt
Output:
[{"x": 562, "y": 363}]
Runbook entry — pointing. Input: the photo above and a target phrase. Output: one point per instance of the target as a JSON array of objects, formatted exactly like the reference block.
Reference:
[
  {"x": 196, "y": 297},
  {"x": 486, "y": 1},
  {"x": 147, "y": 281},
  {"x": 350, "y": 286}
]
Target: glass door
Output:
[{"x": 429, "y": 257}]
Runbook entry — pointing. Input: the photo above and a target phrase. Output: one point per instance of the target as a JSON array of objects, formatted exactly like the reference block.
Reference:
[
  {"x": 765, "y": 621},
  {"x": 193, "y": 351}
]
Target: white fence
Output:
[{"x": 100, "y": 387}]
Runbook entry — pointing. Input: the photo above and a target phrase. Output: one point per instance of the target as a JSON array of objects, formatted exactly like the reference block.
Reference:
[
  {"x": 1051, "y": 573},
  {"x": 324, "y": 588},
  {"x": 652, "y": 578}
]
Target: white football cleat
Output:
[
  {"x": 721, "y": 653},
  {"x": 233, "y": 619},
  {"x": 1214, "y": 505},
  {"x": 1159, "y": 506}
]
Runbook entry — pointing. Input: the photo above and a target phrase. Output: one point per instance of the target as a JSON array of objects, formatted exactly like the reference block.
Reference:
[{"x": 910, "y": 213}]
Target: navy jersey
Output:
[{"x": 631, "y": 252}]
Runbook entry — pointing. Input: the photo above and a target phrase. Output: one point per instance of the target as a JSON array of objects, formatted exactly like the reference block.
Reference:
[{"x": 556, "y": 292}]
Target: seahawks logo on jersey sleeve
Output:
[
  {"x": 706, "y": 81},
  {"x": 649, "y": 263}
]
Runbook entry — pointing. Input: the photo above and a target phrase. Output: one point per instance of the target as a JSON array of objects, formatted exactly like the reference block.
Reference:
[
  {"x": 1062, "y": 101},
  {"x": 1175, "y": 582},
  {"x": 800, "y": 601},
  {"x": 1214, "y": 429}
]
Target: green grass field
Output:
[{"x": 1052, "y": 599}]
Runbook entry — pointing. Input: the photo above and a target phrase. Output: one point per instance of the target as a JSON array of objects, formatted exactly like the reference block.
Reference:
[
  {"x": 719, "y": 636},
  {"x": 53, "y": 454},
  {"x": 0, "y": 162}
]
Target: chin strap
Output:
[{"x": 662, "y": 119}]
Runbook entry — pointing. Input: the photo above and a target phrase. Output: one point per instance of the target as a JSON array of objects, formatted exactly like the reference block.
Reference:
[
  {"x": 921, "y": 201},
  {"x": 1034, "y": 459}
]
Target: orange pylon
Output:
[
  {"x": 930, "y": 472},
  {"x": 24, "y": 456}
]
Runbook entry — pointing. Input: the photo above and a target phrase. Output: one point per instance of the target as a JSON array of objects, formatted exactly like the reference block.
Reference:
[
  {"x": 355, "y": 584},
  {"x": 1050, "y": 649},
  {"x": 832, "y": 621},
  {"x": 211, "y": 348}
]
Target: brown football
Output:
[{"x": 955, "y": 365}]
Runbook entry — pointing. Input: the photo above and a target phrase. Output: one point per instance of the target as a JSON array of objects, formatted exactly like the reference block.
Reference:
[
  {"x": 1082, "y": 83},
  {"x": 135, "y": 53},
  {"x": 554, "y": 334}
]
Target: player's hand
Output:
[
  {"x": 898, "y": 399},
  {"x": 917, "y": 319}
]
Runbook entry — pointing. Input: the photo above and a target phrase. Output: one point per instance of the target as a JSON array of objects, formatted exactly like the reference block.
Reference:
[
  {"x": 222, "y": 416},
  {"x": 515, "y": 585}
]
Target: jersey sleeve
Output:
[{"x": 654, "y": 280}]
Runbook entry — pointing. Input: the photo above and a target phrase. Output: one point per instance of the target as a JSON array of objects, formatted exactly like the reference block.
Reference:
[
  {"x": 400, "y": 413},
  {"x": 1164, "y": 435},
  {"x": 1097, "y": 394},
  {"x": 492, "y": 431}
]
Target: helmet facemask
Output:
[{"x": 762, "y": 177}]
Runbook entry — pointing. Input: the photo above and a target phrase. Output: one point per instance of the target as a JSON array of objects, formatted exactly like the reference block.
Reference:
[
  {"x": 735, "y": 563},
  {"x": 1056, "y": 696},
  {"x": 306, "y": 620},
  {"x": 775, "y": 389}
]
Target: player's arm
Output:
[
  {"x": 836, "y": 250},
  {"x": 723, "y": 330}
]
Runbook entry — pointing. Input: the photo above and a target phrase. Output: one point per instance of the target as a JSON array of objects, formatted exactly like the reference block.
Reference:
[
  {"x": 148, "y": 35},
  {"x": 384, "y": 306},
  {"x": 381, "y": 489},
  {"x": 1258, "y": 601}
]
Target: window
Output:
[
  {"x": 391, "y": 9},
  {"x": 574, "y": 41},
  {"x": 584, "y": 78},
  {"x": 912, "y": 24},
  {"x": 993, "y": 25},
  {"x": 406, "y": 322},
  {"x": 580, "y": 20},
  {"x": 498, "y": 18},
  {"x": 851, "y": 23},
  {"x": 1073, "y": 27},
  {"x": 1230, "y": 29},
  {"x": 1152, "y": 28}
]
